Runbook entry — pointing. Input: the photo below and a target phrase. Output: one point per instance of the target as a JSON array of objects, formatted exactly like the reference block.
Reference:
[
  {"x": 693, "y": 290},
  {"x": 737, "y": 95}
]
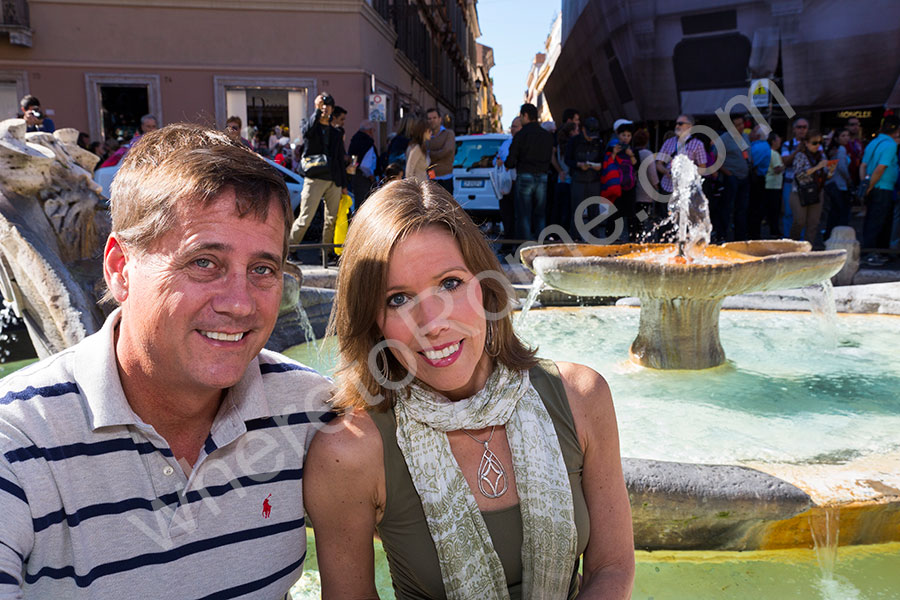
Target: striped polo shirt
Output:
[{"x": 94, "y": 505}]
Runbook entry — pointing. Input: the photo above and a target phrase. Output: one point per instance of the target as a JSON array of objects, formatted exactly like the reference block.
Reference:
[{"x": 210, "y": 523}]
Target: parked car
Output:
[
  {"x": 472, "y": 170},
  {"x": 294, "y": 182}
]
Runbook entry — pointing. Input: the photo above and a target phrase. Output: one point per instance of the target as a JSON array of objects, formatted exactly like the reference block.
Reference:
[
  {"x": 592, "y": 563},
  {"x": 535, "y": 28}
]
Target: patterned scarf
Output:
[{"x": 469, "y": 565}]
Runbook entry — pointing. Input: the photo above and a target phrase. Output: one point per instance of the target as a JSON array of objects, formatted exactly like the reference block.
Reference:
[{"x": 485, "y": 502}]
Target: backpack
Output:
[
  {"x": 611, "y": 178},
  {"x": 627, "y": 176}
]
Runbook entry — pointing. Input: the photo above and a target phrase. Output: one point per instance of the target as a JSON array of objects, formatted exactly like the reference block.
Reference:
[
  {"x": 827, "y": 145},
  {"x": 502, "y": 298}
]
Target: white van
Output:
[{"x": 472, "y": 168}]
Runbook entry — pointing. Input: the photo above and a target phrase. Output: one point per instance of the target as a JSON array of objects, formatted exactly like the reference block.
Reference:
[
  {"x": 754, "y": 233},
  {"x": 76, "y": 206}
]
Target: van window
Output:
[{"x": 476, "y": 153}]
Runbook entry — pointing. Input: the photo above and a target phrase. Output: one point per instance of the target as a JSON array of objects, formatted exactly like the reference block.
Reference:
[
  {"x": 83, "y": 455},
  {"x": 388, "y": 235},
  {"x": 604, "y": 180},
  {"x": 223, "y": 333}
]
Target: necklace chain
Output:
[{"x": 492, "y": 479}]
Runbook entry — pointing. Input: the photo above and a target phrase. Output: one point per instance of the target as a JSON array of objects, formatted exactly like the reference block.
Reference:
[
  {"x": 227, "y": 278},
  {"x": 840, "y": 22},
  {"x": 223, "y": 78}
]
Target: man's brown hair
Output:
[{"x": 175, "y": 169}]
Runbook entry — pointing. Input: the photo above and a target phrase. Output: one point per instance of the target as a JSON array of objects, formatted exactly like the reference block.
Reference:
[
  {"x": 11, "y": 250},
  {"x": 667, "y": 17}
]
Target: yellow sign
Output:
[
  {"x": 859, "y": 114},
  {"x": 760, "y": 93}
]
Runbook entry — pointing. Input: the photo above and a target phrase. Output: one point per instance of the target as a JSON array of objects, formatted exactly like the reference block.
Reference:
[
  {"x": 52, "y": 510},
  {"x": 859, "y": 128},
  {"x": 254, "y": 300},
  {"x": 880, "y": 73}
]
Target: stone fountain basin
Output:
[{"x": 621, "y": 270}]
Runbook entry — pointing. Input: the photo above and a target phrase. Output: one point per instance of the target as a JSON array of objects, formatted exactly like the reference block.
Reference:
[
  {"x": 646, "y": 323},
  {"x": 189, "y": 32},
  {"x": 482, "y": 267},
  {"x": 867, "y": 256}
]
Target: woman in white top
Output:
[
  {"x": 774, "y": 181},
  {"x": 416, "y": 157}
]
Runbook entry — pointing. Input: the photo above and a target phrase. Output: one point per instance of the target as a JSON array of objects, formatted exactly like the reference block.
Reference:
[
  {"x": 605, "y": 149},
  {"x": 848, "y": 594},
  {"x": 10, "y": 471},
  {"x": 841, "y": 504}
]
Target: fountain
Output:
[{"x": 681, "y": 285}]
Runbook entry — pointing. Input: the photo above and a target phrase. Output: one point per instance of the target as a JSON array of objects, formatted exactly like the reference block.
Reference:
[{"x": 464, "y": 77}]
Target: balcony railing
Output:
[{"x": 14, "y": 13}]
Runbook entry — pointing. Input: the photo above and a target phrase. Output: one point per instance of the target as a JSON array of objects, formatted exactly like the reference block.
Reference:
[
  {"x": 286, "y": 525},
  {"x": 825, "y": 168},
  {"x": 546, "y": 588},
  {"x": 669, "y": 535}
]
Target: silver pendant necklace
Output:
[{"x": 492, "y": 480}]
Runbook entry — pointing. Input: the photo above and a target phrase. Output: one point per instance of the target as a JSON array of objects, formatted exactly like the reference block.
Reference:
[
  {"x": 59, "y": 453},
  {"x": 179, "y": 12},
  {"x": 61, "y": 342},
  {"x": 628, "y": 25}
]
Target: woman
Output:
[
  {"x": 837, "y": 188},
  {"x": 485, "y": 471},
  {"x": 809, "y": 174},
  {"x": 416, "y": 157}
]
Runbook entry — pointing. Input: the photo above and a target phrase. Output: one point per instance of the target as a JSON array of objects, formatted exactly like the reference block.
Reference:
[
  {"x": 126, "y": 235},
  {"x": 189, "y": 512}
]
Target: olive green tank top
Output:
[{"x": 411, "y": 554}]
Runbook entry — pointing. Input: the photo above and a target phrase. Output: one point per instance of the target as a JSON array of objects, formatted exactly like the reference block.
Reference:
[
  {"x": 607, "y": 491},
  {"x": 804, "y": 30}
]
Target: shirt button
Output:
[{"x": 167, "y": 470}]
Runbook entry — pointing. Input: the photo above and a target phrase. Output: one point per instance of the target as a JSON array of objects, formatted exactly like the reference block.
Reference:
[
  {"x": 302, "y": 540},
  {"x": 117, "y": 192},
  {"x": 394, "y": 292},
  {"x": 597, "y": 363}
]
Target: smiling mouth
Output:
[
  {"x": 221, "y": 336},
  {"x": 436, "y": 355}
]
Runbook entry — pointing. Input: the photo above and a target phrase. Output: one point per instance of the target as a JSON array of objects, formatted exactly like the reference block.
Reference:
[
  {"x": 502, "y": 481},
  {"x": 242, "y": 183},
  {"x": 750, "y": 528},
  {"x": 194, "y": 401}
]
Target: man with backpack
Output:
[{"x": 878, "y": 174}]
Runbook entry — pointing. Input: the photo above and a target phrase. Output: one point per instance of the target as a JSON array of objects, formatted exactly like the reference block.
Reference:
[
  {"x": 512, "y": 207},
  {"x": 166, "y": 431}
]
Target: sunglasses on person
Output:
[
  {"x": 818, "y": 143},
  {"x": 233, "y": 128},
  {"x": 677, "y": 123}
]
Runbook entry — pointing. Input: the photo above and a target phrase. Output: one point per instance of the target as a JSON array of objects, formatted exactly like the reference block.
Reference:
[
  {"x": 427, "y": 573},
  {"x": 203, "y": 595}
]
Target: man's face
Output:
[
  {"x": 339, "y": 121},
  {"x": 233, "y": 130},
  {"x": 577, "y": 119},
  {"x": 434, "y": 121},
  {"x": 515, "y": 126},
  {"x": 853, "y": 127},
  {"x": 30, "y": 117},
  {"x": 682, "y": 126},
  {"x": 738, "y": 123},
  {"x": 800, "y": 129},
  {"x": 201, "y": 302},
  {"x": 624, "y": 137}
]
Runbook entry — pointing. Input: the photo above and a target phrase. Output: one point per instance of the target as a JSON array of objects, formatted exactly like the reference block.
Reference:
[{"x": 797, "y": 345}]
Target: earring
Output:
[
  {"x": 490, "y": 341},
  {"x": 383, "y": 375}
]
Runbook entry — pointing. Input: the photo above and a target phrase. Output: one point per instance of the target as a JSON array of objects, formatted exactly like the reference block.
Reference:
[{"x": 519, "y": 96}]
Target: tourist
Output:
[
  {"x": 274, "y": 136},
  {"x": 562, "y": 210},
  {"x": 416, "y": 155},
  {"x": 233, "y": 130},
  {"x": 760, "y": 157},
  {"x": 682, "y": 142},
  {"x": 364, "y": 155},
  {"x": 35, "y": 117},
  {"x": 324, "y": 174},
  {"x": 399, "y": 142},
  {"x": 530, "y": 155},
  {"x": 878, "y": 173},
  {"x": 774, "y": 182},
  {"x": 507, "y": 203},
  {"x": 421, "y": 298},
  {"x": 618, "y": 177},
  {"x": 165, "y": 451},
  {"x": 571, "y": 115},
  {"x": 441, "y": 147},
  {"x": 735, "y": 171},
  {"x": 810, "y": 171},
  {"x": 854, "y": 149},
  {"x": 789, "y": 151},
  {"x": 838, "y": 186},
  {"x": 148, "y": 123},
  {"x": 584, "y": 156}
]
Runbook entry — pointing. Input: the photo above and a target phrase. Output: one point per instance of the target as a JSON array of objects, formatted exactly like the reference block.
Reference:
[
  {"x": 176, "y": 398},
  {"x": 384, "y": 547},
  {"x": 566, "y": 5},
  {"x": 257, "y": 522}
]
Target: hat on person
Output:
[
  {"x": 592, "y": 126},
  {"x": 549, "y": 126},
  {"x": 623, "y": 124}
]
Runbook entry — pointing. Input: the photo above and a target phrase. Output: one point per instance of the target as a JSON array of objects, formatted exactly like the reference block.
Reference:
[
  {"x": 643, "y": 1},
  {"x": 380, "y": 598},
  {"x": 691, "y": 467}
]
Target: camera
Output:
[{"x": 37, "y": 113}]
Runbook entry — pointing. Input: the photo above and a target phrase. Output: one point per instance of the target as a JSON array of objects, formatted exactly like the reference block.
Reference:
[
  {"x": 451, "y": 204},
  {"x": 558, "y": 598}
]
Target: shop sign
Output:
[{"x": 859, "y": 114}]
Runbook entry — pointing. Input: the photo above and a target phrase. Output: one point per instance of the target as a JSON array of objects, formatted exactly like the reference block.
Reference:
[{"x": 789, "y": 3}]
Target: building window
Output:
[
  {"x": 117, "y": 101},
  {"x": 264, "y": 101},
  {"x": 713, "y": 62}
]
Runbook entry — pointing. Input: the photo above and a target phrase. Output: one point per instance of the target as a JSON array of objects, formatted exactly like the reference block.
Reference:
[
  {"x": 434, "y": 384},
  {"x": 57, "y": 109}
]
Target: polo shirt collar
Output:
[{"x": 97, "y": 375}]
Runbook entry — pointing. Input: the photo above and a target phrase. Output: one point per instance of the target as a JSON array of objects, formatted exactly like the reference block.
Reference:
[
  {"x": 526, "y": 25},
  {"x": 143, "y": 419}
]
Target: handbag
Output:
[
  {"x": 808, "y": 192},
  {"x": 314, "y": 166},
  {"x": 501, "y": 181}
]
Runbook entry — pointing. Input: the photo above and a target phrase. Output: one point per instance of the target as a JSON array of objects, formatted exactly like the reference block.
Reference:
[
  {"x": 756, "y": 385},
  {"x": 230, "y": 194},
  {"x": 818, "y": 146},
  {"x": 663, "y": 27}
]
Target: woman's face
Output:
[
  {"x": 814, "y": 144},
  {"x": 844, "y": 138},
  {"x": 433, "y": 314}
]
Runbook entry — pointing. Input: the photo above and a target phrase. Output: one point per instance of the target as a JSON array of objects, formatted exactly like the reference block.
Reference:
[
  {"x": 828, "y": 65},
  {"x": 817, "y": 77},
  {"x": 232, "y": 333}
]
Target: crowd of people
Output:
[{"x": 801, "y": 188}]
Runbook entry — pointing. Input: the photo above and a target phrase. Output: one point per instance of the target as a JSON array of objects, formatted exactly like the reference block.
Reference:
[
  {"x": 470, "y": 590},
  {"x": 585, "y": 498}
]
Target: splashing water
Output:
[
  {"x": 536, "y": 287},
  {"x": 825, "y": 526},
  {"x": 822, "y": 305},
  {"x": 308, "y": 331},
  {"x": 689, "y": 208}
]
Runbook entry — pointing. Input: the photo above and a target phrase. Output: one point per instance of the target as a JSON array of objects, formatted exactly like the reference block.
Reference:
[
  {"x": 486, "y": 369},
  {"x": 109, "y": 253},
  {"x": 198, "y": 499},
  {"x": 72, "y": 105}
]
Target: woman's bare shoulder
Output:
[
  {"x": 349, "y": 444},
  {"x": 589, "y": 399}
]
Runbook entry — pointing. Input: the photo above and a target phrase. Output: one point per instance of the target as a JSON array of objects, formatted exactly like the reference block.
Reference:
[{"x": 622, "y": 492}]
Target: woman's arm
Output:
[
  {"x": 609, "y": 558},
  {"x": 343, "y": 491}
]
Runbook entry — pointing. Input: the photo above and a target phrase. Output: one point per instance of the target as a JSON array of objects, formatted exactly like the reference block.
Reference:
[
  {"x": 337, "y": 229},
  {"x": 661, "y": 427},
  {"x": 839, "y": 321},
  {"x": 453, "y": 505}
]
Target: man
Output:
[
  {"x": 35, "y": 118},
  {"x": 363, "y": 154},
  {"x": 441, "y": 150},
  {"x": 789, "y": 151},
  {"x": 233, "y": 130},
  {"x": 736, "y": 173},
  {"x": 508, "y": 201},
  {"x": 325, "y": 176},
  {"x": 162, "y": 456},
  {"x": 584, "y": 156},
  {"x": 760, "y": 157},
  {"x": 878, "y": 172},
  {"x": 854, "y": 148},
  {"x": 148, "y": 123},
  {"x": 683, "y": 142},
  {"x": 529, "y": 155}
]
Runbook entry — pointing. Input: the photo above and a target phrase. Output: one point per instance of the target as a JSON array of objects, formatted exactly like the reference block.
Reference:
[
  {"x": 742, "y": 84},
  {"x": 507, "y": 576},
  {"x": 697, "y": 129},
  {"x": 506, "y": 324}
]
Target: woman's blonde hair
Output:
[{"x": 394, "y": 212}]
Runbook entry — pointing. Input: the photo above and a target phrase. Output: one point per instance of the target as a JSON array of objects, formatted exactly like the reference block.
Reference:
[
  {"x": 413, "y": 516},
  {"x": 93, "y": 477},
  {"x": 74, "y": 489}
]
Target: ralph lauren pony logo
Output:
[{"x": 267, "y": 508}]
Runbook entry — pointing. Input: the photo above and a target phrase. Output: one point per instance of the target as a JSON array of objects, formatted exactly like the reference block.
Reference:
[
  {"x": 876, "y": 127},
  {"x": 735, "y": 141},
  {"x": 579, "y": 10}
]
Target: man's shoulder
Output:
[{"x": 291, "y": 381}]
